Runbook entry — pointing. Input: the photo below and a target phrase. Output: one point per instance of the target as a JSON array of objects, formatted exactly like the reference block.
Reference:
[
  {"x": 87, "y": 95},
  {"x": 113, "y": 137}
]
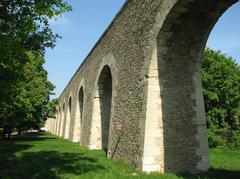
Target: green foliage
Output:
[
  {"x": 221, "y": 90},
  {"x": 28, "y": 97},
  {"x": 234, "y": 141},
  {"x": 216, "y": 139},
  {"x": 25, "y": 23},
  {"x": 24, "y": 36},
  {"x": 52, "y": 108}
]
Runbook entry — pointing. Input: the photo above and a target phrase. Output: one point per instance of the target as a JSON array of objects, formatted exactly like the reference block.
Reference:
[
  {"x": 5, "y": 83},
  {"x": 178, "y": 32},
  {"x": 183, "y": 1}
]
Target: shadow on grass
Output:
[
  {"x": 43, "y": 164},
  {"x": 30, "y": 136},
  {"x": 48, "y": 165},
  {"x": 53, "y": 164},
  {"x": 213, "y": 173}
]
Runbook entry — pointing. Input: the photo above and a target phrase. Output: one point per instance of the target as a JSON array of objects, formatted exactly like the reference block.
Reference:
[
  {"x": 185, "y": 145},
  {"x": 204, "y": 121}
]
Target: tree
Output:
[
  {"x": 32, "y": 101},
  {"x": 29, "y": 99},
  {"x": 24, "y": 36},
  {"x": 25, "y": 23},
  {"x": 52, "y": 108},
  {"x": 221, "y": 90}
]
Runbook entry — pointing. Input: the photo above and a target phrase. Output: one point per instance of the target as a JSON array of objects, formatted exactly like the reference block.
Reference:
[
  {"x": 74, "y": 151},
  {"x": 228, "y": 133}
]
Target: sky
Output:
[{"x": 81, "y": 28}]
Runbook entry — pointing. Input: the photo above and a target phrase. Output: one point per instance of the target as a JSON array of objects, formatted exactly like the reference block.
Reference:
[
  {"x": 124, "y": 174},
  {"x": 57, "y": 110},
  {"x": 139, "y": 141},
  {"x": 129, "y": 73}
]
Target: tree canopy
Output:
[
  {"x": 221, "y": 90},
  {"x": 24, "y": 36},
  {"x": 25, "y": 23},
  {"x": 52, "y": 108}
]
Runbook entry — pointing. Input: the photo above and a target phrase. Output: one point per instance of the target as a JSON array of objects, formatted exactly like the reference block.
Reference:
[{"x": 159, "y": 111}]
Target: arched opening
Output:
[
  {"x": 68, "y": 119},
  {"x": 80, "y": 107},
  {"x": 63, "y": 121},
  {"x": 59, "y": 121},
  {"x": 175, "y": 118},
  {"x": 56, "y": 122},
  {"x": 102, "y": 111},
  {"x": 76, "y": 124},
  {"x": 80, "y": 102}
]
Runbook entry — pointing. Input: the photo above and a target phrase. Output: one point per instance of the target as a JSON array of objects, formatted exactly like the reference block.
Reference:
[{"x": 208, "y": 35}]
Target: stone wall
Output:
[
  {"x": 50, "y": 125},
  {"x": 147, "y": 108}
]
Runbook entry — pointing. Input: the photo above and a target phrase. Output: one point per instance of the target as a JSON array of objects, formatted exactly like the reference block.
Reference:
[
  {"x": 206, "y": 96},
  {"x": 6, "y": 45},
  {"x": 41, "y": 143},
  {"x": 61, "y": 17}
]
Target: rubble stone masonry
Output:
[{"x": 138, "y": 94}]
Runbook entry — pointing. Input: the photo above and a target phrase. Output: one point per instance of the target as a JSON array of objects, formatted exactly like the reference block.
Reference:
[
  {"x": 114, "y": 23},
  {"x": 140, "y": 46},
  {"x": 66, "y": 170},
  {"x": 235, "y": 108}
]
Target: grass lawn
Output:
[{"x": 42, "y": 155}]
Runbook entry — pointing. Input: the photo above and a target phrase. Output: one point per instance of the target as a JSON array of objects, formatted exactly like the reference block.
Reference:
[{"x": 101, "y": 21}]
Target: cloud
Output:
[{"x": 60, "y": 22}]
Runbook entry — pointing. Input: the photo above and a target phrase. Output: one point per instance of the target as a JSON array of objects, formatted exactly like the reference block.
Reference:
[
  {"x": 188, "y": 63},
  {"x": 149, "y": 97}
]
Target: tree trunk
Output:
[
  {"x": 9, "y": 131},
  {"x": 19, "y": 130},
  {"x": 4, "y": 133}
]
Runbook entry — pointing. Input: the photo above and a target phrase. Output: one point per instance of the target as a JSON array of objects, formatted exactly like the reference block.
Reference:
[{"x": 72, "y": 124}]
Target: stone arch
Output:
[
  {"x": 57, "y": 121},
  {"x": 80, "y": 108},
  {"x": 81, "y": 102},
  {"x": 108, "y": 62},
  {"x": 62, "y": 128},
  {"x": 102, "y": 110},
  {"x": 65, "y": 127},
  {"x": 78, "y": 120},
  {"x": 175, "y": 125},
  {"x": 63, "y": 121},
  {"x": 68, "y": 118}
]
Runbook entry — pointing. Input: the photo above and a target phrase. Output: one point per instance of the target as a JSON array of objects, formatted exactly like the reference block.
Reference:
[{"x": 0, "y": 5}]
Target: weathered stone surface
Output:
[{"x": 148, "y": 109}]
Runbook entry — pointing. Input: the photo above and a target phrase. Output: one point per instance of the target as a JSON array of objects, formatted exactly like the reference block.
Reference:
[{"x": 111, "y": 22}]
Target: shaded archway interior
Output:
[
  {"x": 69, "y": 110},
  {"x": 68, "y": 119},
  {"x": 79, "y": 114},
  {"x": 180, "y": 45},
  {"x": 101, "y": 111},
  {"x": 59, "y": 121},
  {"x": 80, "y": 102},
  {"x": 105, "y": 98},
  {"x": 63, "y": 123}
]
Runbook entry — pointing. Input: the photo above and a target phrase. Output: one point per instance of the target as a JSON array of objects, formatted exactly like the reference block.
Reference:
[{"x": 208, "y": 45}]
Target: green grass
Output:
[{"x": 42, "y": 155}]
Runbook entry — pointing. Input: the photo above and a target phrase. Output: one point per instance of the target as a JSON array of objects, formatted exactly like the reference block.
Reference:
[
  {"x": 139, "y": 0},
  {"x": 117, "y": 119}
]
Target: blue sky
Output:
[{"x": 82, "y": 27}]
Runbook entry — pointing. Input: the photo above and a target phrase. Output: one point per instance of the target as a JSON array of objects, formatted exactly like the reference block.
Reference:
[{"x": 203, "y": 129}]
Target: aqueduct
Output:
[{"x": 138, "y": 94}]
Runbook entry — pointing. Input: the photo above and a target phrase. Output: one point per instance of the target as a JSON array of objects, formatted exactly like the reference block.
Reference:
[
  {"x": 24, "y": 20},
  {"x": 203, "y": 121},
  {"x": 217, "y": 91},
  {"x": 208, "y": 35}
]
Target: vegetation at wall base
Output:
[{"x": 42, "y": 155}]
